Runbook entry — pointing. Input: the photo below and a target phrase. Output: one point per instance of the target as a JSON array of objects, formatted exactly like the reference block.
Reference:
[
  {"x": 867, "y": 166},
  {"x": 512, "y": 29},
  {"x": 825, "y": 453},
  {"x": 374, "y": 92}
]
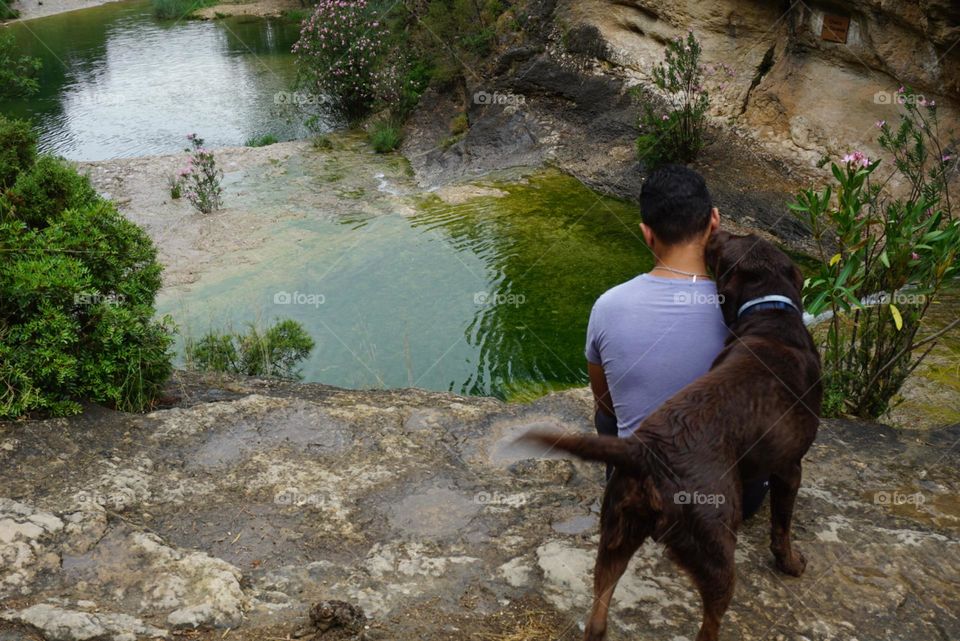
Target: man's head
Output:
[{"x": 676, "y": 207}]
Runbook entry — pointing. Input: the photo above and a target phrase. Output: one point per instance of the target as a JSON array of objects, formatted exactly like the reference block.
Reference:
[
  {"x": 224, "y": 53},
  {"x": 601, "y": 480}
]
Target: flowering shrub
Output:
[
  {"x": 884, "y": 260},
  {"x": 338, "y": 52},
  {"x": 200, "y": 179},
  {"x": 677, "y": 134}
]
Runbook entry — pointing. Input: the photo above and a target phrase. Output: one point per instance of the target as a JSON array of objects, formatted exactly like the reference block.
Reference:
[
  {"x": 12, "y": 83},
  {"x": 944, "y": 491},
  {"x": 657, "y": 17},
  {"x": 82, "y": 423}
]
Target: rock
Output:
[{"x": 59, "y": 624}]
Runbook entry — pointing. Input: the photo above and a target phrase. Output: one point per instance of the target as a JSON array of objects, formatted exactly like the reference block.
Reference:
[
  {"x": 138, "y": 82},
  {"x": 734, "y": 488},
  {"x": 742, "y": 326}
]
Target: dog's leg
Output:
[
  {"x": 611, "y": 564},
  {"x": 622, "y": 532},
  {"x": 710, "y": 562},
  {"x": 783, "y": 494}
]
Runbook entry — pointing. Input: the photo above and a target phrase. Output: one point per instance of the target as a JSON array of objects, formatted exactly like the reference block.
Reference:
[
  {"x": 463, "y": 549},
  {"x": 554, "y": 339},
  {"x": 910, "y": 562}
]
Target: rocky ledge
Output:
[{"x": 232, "y": 511}]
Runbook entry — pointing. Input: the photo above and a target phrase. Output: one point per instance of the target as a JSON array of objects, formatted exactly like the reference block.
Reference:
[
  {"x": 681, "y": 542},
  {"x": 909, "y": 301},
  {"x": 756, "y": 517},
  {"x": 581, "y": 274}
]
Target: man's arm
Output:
[{"x": 601, "y": 392}]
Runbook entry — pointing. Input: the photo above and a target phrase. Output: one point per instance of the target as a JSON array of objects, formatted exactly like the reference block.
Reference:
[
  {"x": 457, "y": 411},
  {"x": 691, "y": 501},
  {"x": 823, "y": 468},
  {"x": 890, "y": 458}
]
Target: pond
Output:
[
  {"x": 117, "y": 82},
  {"x": 489, "y": 296}
]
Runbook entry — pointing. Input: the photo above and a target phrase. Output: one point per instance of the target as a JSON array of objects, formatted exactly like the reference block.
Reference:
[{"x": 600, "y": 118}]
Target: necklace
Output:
[{"x": 693, "y": 275}]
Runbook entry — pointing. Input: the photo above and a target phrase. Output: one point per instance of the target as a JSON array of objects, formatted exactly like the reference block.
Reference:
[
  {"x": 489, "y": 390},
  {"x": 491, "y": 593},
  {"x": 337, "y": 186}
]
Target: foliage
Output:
[
  {"x": 18, "y": 149},
  {"x": 385, "y": 136},
  {"x": 275, "y": 352},
  {"x": 77, "y": 288},
  {"x": 884, "y": 259},
  {"x": 175, "y": 185},
  {"x": 675, "y": 135},
  {"x": 338, "y": 53},
  {"x": 17, "y": 73},
  {"x": 201, "y": 178},
  {"x": 178, "y": 9},
  {"x": 7, "y": 12},
  {"x": 262, "y": 141}
]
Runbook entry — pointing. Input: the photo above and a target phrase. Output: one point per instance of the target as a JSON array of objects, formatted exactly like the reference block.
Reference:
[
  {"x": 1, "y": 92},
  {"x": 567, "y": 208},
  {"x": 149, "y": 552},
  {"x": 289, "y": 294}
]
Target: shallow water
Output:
[
  {"x": 490, "y": 296},
  {"x": 116, "y": 82}
]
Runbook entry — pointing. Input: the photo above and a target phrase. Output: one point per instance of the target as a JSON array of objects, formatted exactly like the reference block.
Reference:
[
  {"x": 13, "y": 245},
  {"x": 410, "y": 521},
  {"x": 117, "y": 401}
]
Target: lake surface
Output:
[
  {"x": 490, "y": 296},
  {"x": 116, "y": 82}
]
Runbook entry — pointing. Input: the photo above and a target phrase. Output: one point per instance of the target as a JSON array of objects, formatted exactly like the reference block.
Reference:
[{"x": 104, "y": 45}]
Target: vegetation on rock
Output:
[{"x": 275, "y": 352}]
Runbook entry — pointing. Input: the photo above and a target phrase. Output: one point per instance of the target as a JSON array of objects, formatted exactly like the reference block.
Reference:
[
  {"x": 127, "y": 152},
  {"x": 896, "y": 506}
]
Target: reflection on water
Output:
[
  {"x": 487, "y": 297},
  {"x": 116, "y": 82}
]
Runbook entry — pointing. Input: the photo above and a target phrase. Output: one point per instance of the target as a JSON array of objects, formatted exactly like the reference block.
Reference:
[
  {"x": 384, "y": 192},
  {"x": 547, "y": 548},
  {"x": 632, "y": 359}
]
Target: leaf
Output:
[
  {"x": 836, "y": 259},
  {"x": 885, "y": 259},
  {"x": 897, "y": 318}
]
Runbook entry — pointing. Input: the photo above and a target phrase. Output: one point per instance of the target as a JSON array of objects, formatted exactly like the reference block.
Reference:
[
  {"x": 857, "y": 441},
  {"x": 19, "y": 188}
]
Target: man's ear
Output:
[
  {"x": 714, "y": 220},
  {"x": 647, "y": 235}
]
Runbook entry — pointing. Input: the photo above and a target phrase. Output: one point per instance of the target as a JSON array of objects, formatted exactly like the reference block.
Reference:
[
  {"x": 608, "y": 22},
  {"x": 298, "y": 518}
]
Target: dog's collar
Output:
[{"x": 773, "y": 301}]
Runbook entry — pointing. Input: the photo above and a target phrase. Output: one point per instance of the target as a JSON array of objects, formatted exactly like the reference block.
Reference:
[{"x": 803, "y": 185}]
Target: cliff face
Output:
[
  {"x": 810, "y": 78},
  {"x": 248, "y": 501}
]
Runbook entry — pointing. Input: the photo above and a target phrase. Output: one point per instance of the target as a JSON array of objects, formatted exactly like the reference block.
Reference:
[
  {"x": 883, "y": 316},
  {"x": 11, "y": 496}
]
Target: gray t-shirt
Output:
[{"x": 653, "y": 337}]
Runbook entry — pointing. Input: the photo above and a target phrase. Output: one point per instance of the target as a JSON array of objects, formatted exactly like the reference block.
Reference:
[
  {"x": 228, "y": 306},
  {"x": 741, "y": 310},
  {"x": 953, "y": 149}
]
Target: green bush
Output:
[
  {"x": 262, "y": 141},
  {"x": 274, "y": 353},
  {"x": 884, "y": 260},
  {"x": 384, "y": 136},
  {"x": 675, "y": 135},
  {"x": 77, "y": 288},
  {"x": 41, "y": 193},
  {"x": 17, "y": 73},
  {"x": 18, "y": 150}
]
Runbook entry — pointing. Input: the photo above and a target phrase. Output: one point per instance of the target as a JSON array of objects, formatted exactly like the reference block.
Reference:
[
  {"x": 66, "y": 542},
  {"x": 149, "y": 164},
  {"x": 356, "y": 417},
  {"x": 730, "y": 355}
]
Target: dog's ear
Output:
[
  {"x": 798, "y": 279},
  {"x": 714, "y": 250}
]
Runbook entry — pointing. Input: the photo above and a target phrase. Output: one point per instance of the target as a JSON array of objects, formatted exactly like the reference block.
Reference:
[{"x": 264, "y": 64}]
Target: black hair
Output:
[{"x": 675, "y": 204}]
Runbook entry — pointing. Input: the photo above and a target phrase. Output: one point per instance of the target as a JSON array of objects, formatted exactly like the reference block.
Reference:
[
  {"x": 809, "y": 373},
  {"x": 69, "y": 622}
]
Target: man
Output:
[{"x": 651, "y": 336}]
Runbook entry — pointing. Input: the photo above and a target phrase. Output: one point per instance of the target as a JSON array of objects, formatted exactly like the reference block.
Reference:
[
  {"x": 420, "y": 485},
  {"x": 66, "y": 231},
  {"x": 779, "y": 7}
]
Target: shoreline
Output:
[{"x": 33, "y": 9}]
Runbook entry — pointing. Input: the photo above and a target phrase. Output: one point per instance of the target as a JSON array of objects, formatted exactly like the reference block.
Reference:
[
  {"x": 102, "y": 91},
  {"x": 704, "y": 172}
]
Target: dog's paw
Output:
[{"x": 794, "y": 564}]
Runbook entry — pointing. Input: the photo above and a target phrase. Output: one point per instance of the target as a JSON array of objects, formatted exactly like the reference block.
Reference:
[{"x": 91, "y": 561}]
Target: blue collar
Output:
[{"x": 774, "y": 301}]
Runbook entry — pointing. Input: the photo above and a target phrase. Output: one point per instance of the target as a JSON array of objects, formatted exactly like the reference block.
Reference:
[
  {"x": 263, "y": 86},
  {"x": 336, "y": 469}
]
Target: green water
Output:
[
  {"x": 487, "y": 297},
  {"x": 116, "y": 82}
]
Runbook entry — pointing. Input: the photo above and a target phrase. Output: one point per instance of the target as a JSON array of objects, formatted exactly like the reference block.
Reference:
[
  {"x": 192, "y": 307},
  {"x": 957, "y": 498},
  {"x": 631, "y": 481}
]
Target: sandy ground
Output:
[
  {"x": 30, "y": 9},
  {"x": 39, "y": 8}
]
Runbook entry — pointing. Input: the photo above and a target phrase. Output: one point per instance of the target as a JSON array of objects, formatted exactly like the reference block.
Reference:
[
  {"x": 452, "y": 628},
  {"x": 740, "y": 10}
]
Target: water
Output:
[
  {"x": 490, "y": 297},
  {"x": 116, "y": 82}
]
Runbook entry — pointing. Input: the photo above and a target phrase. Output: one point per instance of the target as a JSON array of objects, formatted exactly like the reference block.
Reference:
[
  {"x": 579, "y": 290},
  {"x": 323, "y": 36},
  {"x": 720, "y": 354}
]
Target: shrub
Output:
[
  {"x": 675, "y": 135},
  {"x": 262, "y": 141},
  {"x": 884, "y": 261},
  {"x": 18, "y": 149},
  {"x": 41, "y": 192},
  {"x": 201, "y": 178},
  {"x": 178, "y": 9},
  {"x": 175, "y": 185},
  {"x": 77, "y": 289},
  {"x": 17, "y": 73},
  {"x": 384, "y": 136},
  {"x": 275, "y": 353},
  {"x": 338, "y": 52}
]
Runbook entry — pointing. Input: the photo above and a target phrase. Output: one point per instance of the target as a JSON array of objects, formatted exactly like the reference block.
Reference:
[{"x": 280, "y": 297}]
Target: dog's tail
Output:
[{"x": 622, "y": 453}]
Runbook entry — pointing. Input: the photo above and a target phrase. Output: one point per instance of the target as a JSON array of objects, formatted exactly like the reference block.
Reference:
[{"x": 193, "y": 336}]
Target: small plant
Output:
[
  {"x": 201, "y": 178},
  {"x": 459, "y": 124},
  {"x": 321, "y": 141},
  {"x": 18, "y": 74},
  {"x": 7, "y": 12},
  {"x": 262, "y": 141},
  {"x": 175, "y": 185},
  {"x": 274, "y": 353},
  {"x": 675, "y": 135},
  {"x": 385, "y": 136},
  {"x": 884, "y": 260},
  {"x": 178, "y": 9}
]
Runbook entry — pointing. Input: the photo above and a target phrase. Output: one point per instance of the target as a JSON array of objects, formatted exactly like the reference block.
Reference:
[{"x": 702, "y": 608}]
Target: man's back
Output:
[{"x": 653, "y": 336}]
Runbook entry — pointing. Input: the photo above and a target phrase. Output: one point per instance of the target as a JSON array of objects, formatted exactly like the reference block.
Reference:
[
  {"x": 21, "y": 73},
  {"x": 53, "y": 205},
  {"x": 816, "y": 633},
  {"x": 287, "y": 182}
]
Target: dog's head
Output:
[{"x": 747, "y": 267}]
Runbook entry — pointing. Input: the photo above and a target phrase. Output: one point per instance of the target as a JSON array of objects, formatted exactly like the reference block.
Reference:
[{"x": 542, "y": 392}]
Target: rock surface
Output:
[{"x": 250, "y": 501}]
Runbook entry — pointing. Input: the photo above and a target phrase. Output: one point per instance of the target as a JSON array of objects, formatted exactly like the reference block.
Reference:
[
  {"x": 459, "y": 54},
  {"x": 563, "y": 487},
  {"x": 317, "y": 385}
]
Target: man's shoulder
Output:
[{"x": 618, "y": 294}]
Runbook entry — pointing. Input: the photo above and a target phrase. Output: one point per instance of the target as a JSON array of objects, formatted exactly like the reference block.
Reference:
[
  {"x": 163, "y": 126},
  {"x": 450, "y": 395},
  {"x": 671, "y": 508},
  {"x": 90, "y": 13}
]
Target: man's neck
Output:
[{"x": 684, "y": 258}]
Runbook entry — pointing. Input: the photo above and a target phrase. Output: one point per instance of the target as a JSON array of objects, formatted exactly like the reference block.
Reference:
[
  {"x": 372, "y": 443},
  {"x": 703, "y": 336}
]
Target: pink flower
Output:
[
  {"x": 881, "y": 123},
  {"x": 665, "y": 117},
  {"x": 901, "y": 89},
  {"x": 857, "y": 158},
  {"x": 914, "y": 256},
  {"x": 947, "y": 158}
]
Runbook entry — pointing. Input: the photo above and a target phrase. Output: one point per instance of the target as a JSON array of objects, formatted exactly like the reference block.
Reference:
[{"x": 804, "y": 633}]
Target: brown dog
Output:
[{"x": 752, "y": 416}]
